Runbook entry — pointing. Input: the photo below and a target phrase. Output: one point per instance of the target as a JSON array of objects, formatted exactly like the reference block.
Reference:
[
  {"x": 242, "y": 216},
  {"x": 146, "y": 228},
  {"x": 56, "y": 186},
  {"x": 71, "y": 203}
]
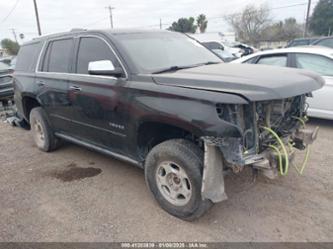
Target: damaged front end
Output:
[{"x": 270, "y": 131}]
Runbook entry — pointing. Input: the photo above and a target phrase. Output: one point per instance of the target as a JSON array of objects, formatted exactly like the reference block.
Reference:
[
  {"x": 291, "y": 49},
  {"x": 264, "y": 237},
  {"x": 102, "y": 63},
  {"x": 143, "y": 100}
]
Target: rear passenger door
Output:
[
  {"x": 321, "y": 104},
  {"x": 52, "y": 81},
  {"x": 97, "y": 109}
]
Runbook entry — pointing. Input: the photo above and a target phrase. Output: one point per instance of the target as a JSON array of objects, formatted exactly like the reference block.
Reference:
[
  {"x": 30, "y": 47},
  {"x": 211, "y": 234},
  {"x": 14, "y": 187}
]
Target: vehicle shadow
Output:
[{"x": 321, "y": 122}]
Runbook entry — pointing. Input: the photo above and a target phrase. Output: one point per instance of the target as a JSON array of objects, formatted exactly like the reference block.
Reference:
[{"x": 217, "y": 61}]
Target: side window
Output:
[
  {"x": 93, "y": 49},
  {"x": 27, "y": 57},
  {"x": 213, "y": 45},
  {"x": 57, "y": 56},
  {"x": 326, "y": 43},
  {"x": 251, "y": 61},
  {"x": 316, "y": 63},
  {"x": 274, "y": 60}
]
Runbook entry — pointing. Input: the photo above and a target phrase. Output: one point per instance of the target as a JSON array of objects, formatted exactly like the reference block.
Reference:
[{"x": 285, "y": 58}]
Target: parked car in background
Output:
[
  {"x": 220, "y": 50},
  {"x": 9, "y": 60},
  {"x": 6, "y": 82},
  {"x": 313, "y": 58},
  {"x": 301, "y": 42},
  {"x": 326, "y": 42},
  {"x": 246, "y": 49}
]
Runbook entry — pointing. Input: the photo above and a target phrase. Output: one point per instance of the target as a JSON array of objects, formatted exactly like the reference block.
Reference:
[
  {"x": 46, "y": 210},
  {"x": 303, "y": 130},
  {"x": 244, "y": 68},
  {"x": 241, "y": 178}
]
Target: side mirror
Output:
[{"x": 104, "y": 67}]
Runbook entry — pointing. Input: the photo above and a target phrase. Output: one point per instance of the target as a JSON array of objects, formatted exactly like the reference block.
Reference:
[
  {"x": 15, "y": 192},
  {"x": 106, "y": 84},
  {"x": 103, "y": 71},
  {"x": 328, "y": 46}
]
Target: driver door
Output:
[{"x": 96, "y": 100}]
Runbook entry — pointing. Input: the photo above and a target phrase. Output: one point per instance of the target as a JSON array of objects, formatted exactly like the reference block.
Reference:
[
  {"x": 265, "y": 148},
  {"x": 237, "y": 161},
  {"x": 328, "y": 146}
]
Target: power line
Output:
[
  {"x": 98, "y": 21},
  {"x": 230, "y": 15},
  {"x": 10, "y": 12}
]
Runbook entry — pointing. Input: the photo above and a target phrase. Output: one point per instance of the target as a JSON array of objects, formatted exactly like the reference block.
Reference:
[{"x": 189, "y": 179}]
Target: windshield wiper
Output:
[
  {"x": 176, "y": 68},
  {"x": 171, "y": 69}
]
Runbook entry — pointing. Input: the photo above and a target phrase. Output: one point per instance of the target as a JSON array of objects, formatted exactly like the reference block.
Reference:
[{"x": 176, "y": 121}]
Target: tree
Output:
[
  {"x": 202, "y": 23},
  {"x": 184, "y": 25},
  {"x": 291, "y": 29},
  {"x": 282, "y": 31},
  {"x": 250, "y": 23},
  {"x": 321, "y": 21},
  {"x": 10, "y": 46}
]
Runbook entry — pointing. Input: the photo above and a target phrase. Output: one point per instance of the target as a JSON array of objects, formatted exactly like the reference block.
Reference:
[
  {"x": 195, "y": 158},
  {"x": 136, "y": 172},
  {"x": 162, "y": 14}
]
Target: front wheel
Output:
[{"x": 173, "y": 172}]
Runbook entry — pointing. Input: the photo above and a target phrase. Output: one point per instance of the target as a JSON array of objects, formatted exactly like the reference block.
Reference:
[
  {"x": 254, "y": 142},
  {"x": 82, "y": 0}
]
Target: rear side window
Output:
[
  {"x": 27, "y": 57},
  {"x": 326, "y": 43},
  {"x": 316, "y": 63},
  {"x": 57, "y": 56},
  {"x": 93, "y": 49},
  {"x": 274, "y": 60}
]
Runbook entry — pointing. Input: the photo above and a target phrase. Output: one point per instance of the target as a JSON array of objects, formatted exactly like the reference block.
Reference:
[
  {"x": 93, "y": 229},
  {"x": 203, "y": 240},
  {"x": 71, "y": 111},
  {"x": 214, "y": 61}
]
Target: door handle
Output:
[{"x": 75, "y": 88}]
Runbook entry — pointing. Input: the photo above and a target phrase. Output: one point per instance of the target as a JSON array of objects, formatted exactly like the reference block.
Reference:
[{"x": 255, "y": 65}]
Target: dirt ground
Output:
[{"x": 74, "y": 194}]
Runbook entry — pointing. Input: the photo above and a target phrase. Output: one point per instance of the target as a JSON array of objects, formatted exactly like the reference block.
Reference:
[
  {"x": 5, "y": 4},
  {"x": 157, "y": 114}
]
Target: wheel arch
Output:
[
  {"x": 28, "y": 103},
  {"x": 152, "y": 132}
]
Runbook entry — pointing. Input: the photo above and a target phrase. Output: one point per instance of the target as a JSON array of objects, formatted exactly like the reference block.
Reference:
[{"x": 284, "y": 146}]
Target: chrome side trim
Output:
[
  {"x": 88, "y": 125},
  {"x": 76, "y": 74},
  {"x": 97, "y": 148}
]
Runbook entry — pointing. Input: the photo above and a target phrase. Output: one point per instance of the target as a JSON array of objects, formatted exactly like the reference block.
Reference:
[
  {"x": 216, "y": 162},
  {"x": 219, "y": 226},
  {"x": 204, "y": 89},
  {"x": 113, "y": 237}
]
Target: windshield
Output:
[{"x": 152, "y": 52}]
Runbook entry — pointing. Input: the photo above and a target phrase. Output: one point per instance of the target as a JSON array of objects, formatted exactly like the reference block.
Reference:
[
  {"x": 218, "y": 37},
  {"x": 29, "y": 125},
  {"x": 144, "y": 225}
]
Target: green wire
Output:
[
  {"x": 280, "y": 158},
  {"x": 300, "y": 120},
  {"x": 305, "y": 161},
  {"x": 284, "y": 150}
]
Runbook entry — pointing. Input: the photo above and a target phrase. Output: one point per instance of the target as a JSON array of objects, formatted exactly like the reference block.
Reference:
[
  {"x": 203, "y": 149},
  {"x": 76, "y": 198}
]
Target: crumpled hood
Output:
[{"x": 254, "y": 82}]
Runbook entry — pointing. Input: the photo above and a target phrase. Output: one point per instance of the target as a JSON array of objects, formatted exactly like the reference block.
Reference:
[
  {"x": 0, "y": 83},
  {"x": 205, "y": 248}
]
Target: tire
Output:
[
  {"x": 41, "y": 131},
  {"x": 177, "y": 193}
]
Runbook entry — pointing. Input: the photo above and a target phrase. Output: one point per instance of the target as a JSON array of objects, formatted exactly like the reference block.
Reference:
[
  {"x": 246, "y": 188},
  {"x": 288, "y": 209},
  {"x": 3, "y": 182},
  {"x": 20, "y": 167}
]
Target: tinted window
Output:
[
  {"x": 276, "y": 60},
  {"x": 93, "y": 49},
  {"x": 296, "y": 43},
  {"x": 212, "y": 45},
  {"x": 57, "y": 57},
  {"x": 27, "y": 57},
  {"x": 316, "y": 63},
  {"x": 326, "y": 43}
]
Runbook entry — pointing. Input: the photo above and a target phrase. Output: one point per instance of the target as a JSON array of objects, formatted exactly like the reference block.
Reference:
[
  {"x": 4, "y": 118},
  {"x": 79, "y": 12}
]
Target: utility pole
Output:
[
  {"x": 14, "y": 33},
  {"x": 307, "y": 19},
  {"x": 111, "y": 19},
  {"x": 161, "y": 23},
  {"x": 37, "y": 18}
]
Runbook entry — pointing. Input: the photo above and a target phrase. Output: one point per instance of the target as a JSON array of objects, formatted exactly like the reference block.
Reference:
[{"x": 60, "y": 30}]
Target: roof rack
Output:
[{"x": 77, "y": 30}]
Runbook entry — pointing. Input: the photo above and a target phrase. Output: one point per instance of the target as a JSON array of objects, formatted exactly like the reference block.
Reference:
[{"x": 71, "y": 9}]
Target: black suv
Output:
[{"x": 162, "y": 101}]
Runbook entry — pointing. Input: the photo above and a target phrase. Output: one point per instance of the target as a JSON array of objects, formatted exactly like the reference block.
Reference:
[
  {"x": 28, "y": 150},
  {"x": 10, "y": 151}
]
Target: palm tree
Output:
[{"x": 202, "y": 23}]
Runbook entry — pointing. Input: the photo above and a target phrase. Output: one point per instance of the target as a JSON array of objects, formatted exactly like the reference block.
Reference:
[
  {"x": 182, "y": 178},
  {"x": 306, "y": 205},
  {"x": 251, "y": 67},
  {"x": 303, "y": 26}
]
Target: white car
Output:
[{"x": 312, "y": 58}]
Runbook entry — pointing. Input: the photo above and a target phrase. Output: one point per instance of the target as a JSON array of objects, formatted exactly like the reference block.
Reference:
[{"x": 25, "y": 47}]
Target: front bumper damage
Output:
[{"x": 223, "y": 154}]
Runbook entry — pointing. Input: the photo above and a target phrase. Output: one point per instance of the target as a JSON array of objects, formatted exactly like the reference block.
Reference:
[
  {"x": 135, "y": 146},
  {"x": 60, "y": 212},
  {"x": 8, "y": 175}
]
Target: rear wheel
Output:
[
  {"x": 41, "y": 131},
  {"x": 173, "y": 172}
]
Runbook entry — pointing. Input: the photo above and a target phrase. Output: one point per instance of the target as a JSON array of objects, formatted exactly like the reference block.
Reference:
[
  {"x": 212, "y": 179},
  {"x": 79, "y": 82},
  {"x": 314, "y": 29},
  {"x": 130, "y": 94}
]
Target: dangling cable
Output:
[
  {"x": 284, "y": 150},
  {"x": 279, "y": 157}
]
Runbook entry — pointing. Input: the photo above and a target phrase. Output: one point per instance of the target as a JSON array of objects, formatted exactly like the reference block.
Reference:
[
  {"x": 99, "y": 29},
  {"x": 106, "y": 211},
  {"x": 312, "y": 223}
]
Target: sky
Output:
[{"x": 61, "y": 15}]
